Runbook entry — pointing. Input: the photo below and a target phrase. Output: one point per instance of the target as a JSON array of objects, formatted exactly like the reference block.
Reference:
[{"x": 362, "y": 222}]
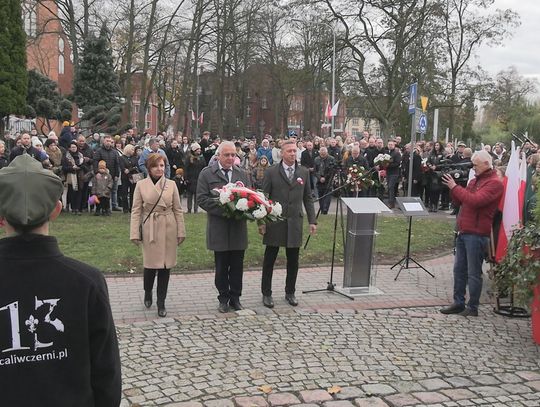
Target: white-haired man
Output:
[{"x": 478, "y": 204}]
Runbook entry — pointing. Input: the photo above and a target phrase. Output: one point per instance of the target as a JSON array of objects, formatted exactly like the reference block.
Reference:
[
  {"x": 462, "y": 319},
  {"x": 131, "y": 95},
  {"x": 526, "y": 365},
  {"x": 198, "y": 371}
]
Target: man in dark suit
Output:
[
  {"x": 288, "y": 184},
  {"x": 307, "y": 160},
  {"x": 225, "y": 236}
]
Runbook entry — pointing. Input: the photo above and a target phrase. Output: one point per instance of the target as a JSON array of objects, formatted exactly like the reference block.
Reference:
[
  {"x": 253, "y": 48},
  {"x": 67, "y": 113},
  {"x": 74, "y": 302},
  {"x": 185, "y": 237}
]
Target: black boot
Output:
[
  {"x": 148, "y": 299},
  {"x": 162, "y": 287}
]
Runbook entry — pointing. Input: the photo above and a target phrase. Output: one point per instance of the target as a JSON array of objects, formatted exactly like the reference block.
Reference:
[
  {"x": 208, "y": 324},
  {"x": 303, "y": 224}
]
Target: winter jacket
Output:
[
  {"x": 479, "y": 202},
  {"x": 110, "y": 156},
  {"x": 102, "y": 184}
]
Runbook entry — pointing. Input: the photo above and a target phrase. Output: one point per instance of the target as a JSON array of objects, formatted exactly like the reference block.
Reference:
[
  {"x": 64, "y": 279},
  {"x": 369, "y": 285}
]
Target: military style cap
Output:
[{"x": 28, "y": 192}]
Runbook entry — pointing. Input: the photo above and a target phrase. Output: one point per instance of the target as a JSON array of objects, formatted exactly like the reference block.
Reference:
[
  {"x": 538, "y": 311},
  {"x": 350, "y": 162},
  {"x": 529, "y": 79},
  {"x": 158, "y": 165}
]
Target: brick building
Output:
[{"x": 48, "y": 51}]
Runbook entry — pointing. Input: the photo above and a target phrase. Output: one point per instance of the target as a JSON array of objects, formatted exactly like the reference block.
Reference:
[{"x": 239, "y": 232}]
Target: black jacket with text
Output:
[{"x": 58, "y": 344}]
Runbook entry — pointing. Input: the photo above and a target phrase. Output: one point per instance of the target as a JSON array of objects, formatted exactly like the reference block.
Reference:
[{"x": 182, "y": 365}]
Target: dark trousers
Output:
[
  {"x": 393, "y": 182},
  {"x": 104, "y": 205},
  {"x": 163, "y": 276},
  {"x": 324, "y": 203},
  {"x": 229, "y": 272},
  {"x": 270, "y": 255},
  {"x": 192, "y": 201},
  {"x": 125, "y": 195},
  {"x": 85, "y": 193},
  {"x": 74, "y": 198}
]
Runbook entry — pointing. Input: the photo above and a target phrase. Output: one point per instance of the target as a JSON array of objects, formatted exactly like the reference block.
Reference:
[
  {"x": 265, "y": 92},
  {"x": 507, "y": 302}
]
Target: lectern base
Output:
[{"x": 361, "y": 291}]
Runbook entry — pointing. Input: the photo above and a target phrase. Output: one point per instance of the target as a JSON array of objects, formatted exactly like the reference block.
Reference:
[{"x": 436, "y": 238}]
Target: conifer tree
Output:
[
  {"x": 13, "y": 75},
  {"x": 95, "y": 88}
]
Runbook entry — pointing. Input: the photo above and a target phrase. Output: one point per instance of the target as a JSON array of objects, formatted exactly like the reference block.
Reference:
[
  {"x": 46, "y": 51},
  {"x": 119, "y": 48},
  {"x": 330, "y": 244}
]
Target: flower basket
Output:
[
  {"x": 241, "y": 203},
  {"x": 358, "y": 178},
  {"x": 535, "y": 314}
]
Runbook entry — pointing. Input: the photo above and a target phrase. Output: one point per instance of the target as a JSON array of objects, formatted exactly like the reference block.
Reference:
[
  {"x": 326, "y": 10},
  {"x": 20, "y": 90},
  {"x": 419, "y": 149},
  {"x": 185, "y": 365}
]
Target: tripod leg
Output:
[
  {"x": 399, "y": 262},
  {"x": 420, "y": 266},
  {"x": 399, "y": 272}
]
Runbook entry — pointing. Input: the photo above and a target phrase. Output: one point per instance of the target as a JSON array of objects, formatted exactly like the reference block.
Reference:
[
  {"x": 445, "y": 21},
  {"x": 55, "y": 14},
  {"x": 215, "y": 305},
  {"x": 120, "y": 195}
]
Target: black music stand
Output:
[{"x": 411, "y": 207}]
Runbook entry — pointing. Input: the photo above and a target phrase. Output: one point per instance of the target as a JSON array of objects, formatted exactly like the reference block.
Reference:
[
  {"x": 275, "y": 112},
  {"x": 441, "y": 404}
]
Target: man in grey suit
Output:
[
  {"x": 289, "y": 184},
  {"x": 226, "y": 237}
]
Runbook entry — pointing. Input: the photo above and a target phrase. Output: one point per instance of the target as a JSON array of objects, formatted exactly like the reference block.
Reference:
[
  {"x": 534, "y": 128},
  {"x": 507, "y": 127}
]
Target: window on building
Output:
[
  {"x": 248, "y": 111},
  {"x": 355, "y": 122},
  {"x": 61, "y": 45},
  {"x": 30, "y": 17},
  {"x": 248, "y": 94},
  {"x": 237, "y": 122},
  {"x": 61, "y": 64},
  {"x": 264, "y": 103},
  {"x": 249, "y": 128}
]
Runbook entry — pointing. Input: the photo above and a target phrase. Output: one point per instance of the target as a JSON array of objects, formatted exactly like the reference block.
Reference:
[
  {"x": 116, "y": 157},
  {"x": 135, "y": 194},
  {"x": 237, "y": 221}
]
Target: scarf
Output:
[{"x": 72, "y": 176}]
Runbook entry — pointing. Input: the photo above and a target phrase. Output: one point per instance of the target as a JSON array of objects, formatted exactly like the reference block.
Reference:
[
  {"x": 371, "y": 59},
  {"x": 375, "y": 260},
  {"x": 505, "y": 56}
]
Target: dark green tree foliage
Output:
[
  {"x": 13, "y": 76},
  {"x": 43, "y": 99},
  {"x": 96, "y": 88}
]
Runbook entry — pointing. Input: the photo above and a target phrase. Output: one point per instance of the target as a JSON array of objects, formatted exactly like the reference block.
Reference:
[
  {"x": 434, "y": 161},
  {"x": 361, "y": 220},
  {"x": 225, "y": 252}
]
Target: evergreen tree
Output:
[
  {"x": 96, "y": 88},
  {"x": 43, "y": 99},
  {"x": 13, "y": 76}
]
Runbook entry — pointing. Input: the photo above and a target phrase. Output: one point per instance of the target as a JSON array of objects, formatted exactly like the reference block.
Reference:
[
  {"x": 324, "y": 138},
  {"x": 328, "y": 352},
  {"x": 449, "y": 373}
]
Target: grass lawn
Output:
[{"x": 104, "y": 242}]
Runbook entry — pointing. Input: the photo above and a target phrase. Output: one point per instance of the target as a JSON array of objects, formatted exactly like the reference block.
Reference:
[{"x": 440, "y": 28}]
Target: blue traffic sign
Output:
[
  {"x": 422, "y": 123},
  {"x": 413, "y": 94}
]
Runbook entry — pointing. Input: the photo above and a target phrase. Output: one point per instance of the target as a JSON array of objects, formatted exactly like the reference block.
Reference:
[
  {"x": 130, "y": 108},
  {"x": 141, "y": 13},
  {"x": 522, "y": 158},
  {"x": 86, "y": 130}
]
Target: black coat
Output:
[
  {"x": 176, "y": 159},
  {"x": 31, "y": 151},
  {"x": 194, "y": 166},
  {"x": 110, "y": 157},
  {"x": 63, "y": 304},
  {"x": 308, "y": 160},
  {"x": 3, "y": 161}
]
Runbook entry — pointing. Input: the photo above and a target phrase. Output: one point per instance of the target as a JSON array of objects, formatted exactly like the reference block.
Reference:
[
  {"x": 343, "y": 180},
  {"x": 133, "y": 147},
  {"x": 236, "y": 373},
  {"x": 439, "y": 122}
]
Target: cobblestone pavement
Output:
[{"x": 392, "y": 349}]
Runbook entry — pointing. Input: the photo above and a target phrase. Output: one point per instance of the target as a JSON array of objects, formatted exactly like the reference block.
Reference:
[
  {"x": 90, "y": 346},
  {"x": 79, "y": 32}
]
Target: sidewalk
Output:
[{"x": 393, "y": 349}]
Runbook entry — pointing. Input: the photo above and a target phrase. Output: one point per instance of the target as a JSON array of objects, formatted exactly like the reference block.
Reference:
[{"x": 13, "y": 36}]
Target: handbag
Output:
[
  {"x": 139, "y": 176},
  {"x": 150, "y": 213}
]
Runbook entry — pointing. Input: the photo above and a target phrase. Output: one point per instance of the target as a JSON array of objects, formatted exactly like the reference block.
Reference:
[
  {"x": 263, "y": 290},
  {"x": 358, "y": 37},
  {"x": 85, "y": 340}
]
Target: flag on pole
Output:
[
  {"x": 328, "y": 111},
  {"x": 335, "y": 108},
  {"x": 193, "y": 117},
  {"x": 510, "y": 204},
  {"x": 522, "y": 185},
  {"x": 201, "y": 118}
]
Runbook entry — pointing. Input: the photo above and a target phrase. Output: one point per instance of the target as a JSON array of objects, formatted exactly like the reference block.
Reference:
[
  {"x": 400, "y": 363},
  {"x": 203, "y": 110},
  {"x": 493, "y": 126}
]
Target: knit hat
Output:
[
  {"x": 102, "y": 165},
  {"x": 36, "y": 141},
  {"x": 195, "y": 146},
  {"x": 28, "y": 192},
  {"x": 65, "y": 124},
  {"x": 179, "y": 171}
]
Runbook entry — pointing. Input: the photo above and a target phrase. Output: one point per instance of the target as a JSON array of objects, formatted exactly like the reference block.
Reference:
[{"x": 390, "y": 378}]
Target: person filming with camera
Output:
[{"x": 478, "y": 203}]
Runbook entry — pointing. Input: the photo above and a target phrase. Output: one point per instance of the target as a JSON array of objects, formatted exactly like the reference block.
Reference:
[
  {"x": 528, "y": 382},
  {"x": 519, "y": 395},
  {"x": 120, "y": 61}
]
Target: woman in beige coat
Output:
[{"x": 162, "y": 228}]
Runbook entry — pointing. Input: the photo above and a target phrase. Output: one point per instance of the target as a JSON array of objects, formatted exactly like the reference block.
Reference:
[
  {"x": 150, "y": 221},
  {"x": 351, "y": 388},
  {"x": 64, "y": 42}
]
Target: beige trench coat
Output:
[{"x": 164, "y": 226}]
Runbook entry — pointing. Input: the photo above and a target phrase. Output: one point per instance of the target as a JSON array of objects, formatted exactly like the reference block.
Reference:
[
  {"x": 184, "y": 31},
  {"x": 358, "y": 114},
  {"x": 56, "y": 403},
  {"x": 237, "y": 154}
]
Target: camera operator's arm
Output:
[{"x": 484, "y": 195}]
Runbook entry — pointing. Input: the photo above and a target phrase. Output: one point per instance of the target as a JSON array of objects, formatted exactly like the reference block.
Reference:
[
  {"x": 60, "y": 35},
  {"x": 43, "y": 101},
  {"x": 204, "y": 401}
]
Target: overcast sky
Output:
[{"x": 523, "y": 49}]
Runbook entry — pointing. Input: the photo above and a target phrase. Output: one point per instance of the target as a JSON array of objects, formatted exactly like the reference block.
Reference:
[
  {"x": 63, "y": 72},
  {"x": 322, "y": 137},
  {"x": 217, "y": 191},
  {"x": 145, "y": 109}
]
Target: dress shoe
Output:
[
  {"x": 117, "y": 209},
  {"x": 235, "y": 305},
  {"x": 268, "y": 301},
  {"x": 452, "y": 309},
  {"x": 223, "y": 307},
  {"x": 467, "y": 312},
  {"x": 147, "y": 299},
  {"x": 162, "y": 312},
  {"x": 291, "y": 299}
]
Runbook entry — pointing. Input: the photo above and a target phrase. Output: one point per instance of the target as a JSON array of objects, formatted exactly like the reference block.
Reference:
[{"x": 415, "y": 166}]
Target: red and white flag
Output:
[
  {"x": 201, "y": 118},
  {"x": 193, "y": 117},
  {"x": 328, "y": 112},
  {"x": 510, "y": 204}
]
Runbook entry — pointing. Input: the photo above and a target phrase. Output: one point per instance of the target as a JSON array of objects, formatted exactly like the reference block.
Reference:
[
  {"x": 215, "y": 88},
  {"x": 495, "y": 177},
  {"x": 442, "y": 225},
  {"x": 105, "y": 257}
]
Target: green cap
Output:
[{"x": 28, "y": 192}]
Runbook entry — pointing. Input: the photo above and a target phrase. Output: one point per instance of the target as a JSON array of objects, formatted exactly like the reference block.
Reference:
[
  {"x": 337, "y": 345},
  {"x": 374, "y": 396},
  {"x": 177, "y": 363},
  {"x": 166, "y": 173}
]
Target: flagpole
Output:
[{"x": 333, "y": 79}]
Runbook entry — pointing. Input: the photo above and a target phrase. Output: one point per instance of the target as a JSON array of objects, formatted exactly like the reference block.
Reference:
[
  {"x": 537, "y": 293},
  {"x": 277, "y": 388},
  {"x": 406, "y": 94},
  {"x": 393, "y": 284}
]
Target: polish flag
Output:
[
  {"x": 511, "y": 209},
  {"x": 328, "y": 112},
  {"x": 201, "y": 119},
  {"x": 522, "y": 185},
  {"x": 193, "y": 117}
]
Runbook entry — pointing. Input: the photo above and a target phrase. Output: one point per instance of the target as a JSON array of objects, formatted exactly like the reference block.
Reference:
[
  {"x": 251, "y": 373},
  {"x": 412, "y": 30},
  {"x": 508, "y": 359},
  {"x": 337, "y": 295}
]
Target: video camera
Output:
[{"x": 458, "y": 171}]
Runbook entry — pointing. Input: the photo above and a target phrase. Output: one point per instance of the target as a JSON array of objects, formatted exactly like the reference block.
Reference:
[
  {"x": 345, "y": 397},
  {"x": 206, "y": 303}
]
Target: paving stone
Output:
[
  {"x": 350, "y": 393},
  {"x": 370, "y": 402},
  {"x": 339, "y": 403},
  {"x": 529, "y": 375},
  {"x": 459, "y": 394},
  {"x": 253, "y": 401},
  {"x": 401, "y": 400},
  {"x": 486, "y": 380},
  {"x": 315, "y": 396},
  {"x": 457, "y": 381},
  {"x": 509, "y": 378},
  {"x": 219, "y": 403},
  {"x": 378, "y": 389},
  {"x": 434, "y": 384},
  {"x": 305, "y": 405},
  {"x": 515, "y": 388},
  {"x": 282, "y": 399},
  {"x": 535, "y": 385},
  {"x": 488, "y": 391},
  {"x": 185, "y": 404},
  {"x": 430, "y": 397}
]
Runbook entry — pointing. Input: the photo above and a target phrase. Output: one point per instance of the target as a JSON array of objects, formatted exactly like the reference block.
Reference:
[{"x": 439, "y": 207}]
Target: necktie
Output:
[
  {"x": 226, "y": 171},
  {"x": 290, "y": 174}
]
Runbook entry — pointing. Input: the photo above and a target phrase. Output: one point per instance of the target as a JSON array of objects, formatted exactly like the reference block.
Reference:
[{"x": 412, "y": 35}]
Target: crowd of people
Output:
[{"x": 109, "y": 166}]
